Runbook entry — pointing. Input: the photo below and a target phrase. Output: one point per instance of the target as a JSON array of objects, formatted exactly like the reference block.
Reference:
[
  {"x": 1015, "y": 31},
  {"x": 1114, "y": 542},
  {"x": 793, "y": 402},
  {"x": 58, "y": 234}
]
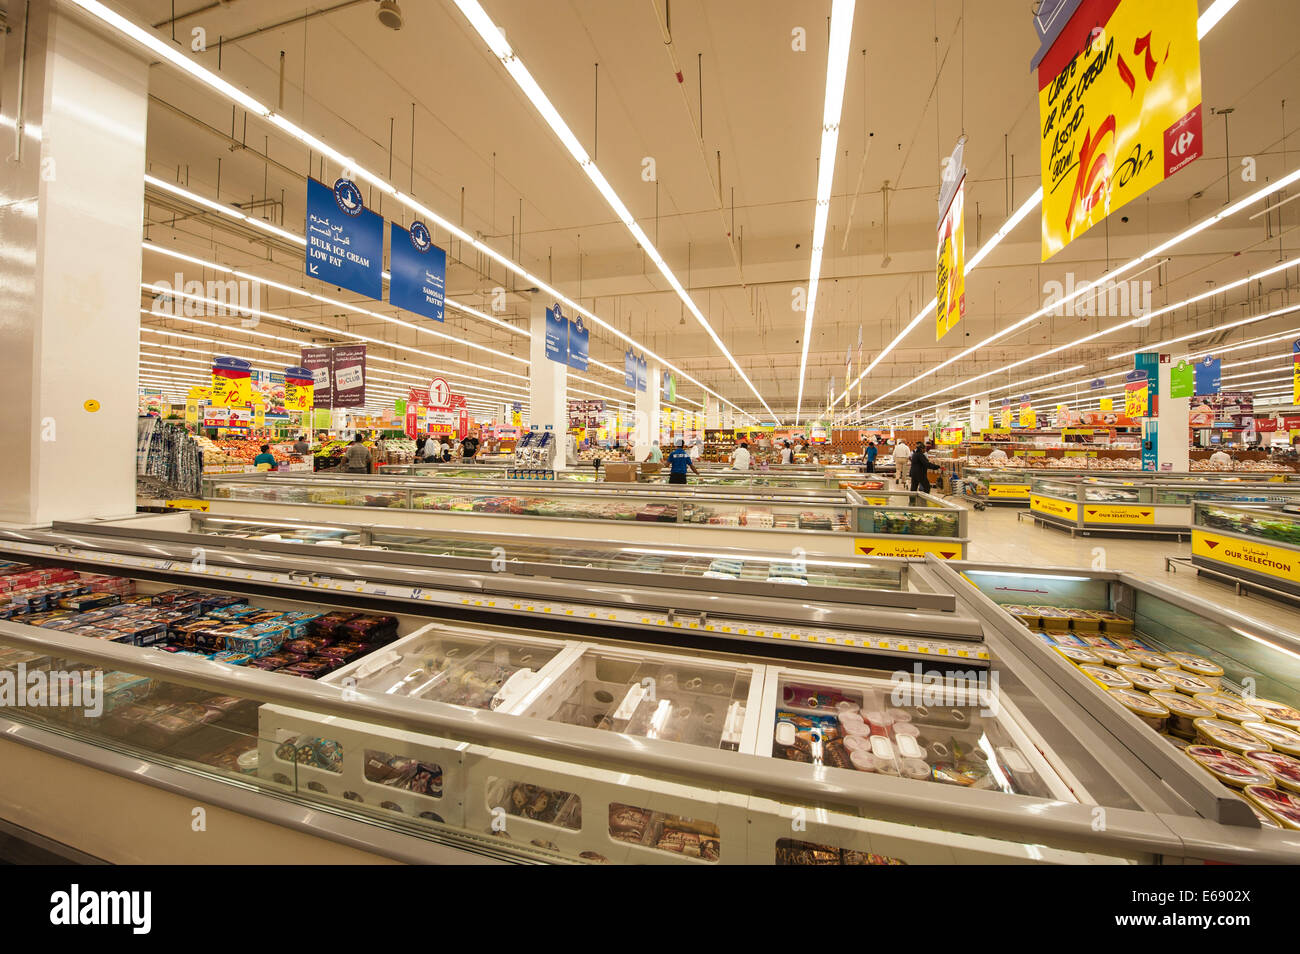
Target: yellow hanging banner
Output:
[
  {"x": 1119, "y": 105},
  {"x": 950, "y": 270}
]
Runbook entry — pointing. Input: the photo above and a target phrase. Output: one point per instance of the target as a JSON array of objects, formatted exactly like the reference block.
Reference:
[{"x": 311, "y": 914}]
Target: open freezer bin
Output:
[
  {"x": 1206, "y": 697},
  {"x": 400, "y": 771}
]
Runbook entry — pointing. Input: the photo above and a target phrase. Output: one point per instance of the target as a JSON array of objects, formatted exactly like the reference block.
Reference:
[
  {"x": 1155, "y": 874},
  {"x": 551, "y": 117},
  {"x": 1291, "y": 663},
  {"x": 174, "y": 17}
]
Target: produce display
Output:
[
  {"x": 920, "y": 523},
  {"x": 1266, "y": 524},
  {"x": 1250, "y": 745},
  {"x": 226, "y": 451},
  {"x": 396, "y": 450}
]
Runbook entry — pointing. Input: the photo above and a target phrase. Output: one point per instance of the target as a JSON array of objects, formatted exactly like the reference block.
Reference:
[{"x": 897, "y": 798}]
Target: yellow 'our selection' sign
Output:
[{"x": 1119, "y": 103}]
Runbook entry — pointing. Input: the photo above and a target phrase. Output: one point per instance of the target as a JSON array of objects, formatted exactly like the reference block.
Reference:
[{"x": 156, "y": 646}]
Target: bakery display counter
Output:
[
  {"x": 529, "y": 738},
  {"x": 1152, "y": 506},
  {"x": 1216, "y": 692},
  {"x": 827, "y": 522},
  {"x": 1257, "y": 545}
]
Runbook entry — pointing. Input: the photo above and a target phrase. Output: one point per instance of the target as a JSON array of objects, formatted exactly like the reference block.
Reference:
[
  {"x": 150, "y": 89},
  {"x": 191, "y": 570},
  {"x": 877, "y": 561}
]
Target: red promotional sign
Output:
[
  {"x": 1291, "y": 423},
  {"x": 1265, "y": 424}
]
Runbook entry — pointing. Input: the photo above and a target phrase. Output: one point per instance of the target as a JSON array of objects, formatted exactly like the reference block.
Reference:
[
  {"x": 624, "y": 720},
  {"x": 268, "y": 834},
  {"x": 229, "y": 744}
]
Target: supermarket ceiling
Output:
[{"x": 748, "y": 111}]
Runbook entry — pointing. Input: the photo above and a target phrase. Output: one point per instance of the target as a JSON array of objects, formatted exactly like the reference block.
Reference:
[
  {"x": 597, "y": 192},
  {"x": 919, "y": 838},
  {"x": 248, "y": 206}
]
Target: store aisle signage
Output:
[
  {"x": 1208, "y": 376},
  {"x": 1280, "y": 562},
  {"x": 642, "y": 373},
  {"x": 578, "y": 340},
  {"x": 232, "y": 383},
  {"x": 1051, "y": 507},
  {"x": 1135, "y": 394},
  {"x": 950, "y": 270},
  {"x": 1119, "y": 102},
  {"x": 1119, "y": 513},
  {"x": 1295, "y": 372},
  {"x": 345, "y": 240},
  {"x": 1096, "y": 384},
  {"x": 417, "y": 270},
  {"x": 338, "y": 375},
  {"x": 299, "y": 387},
  {"x": 669, "y": 387},
  {"x": 1182, "y": 380},
  {"x": 629, "y": 370},
  {"x": 908, "y": 549}
]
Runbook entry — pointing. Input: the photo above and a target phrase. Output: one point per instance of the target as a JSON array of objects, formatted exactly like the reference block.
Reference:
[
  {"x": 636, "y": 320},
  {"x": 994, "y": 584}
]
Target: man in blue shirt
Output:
[
  {"x": 872, "y": 451},
  {"x": 679, "y": 458}
]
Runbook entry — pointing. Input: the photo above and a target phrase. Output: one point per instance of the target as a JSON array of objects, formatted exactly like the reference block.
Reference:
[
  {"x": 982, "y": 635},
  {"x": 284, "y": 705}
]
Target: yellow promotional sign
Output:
[
  {"x": 1107, "y": 404},
  {"x": 909, "y": 549},
  {"x": 231, "y": 392},
  {"x": 1119, "y": 513},
  {"x": 1006, "y": 417},
  {"x": 188, "y": 504},
  {"x": 1295, "y": 372},
  {"x": 1028, "y": 416},
  {"x": 1049, "y": 506},
  {"x": 950, "y": 272},
  {"x": 298, "y": 397},
  {"x": 1008, "y": 491},
  {"x": 1260, "y": 557},
  {"x": 1119, "y": 105},
  {"x": 1135, "y": 400}
]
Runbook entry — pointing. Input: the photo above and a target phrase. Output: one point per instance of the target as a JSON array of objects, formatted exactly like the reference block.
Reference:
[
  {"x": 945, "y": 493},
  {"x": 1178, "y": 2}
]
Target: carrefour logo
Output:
[
  {"x": 420, "y": 237},
  {"x": 348, "y": 197}
]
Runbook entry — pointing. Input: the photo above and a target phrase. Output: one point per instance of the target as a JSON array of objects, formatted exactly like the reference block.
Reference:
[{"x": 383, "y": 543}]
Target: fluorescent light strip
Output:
[
  {"x": 500, "y": 48},
  {"x": 837, "y": 65},
  {"x": 303, "y": 344},
  {"x": 1099, "y": 334},
  {"x": 1205, "y": 24},
  {"x": 137, "y": 33}
]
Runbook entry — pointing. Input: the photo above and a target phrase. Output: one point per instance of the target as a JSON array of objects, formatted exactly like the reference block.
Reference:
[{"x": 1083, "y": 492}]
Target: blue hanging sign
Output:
[
  {"x": 345, "y": 240},
  {"x": 557, "y": 335},
  {"x": 1097, "y": 384},
  {"x": 418, "y": 271},
  {"x": 1208, "y": 376},
  {"x": 578, "y": 338},
  {"x": 642, "y": 369},
  {"x": 629, "y": 370}
]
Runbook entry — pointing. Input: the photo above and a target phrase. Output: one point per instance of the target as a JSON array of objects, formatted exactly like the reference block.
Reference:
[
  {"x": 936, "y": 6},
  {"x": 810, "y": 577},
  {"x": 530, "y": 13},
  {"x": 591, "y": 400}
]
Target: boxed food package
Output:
[{"x": 620, "y": 471}]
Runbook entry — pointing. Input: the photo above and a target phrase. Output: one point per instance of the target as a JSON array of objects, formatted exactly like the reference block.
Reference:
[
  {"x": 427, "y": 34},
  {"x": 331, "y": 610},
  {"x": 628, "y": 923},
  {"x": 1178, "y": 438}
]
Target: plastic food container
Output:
[
  {"x": 1284, "y": 806},
  {"x": 1080, "y": 657},
  {"x": 1227, "y": 735},
  {"x": 1228, "y": 767},
  {"x": 1285, "y": 769},
  {"x": 909, "y": 748},
  {"x": 914, "y": 768},
  {"x": 1150, "y": 660},
  {"x": 862, "y": 760},
  {"x": 1183, "y": 711},
  {"x": 857, "y": 743},
  {"x": 1185, "y": 682},
  {"x": 1198, "y": 666},
  {"x": 1265, "y": 819},
  {"x": 1114, "y": 657},
  {"x": 1277, "y": 736},
  {"x": 1225, "y": 708},
  {"x": 1105, "y": 677},
  {"x": 1144, "y": 679},
  {"x": 247, "y": 762},
  {"x": 1151, "y": 711},
  {"x": 1277, "y": 713}
]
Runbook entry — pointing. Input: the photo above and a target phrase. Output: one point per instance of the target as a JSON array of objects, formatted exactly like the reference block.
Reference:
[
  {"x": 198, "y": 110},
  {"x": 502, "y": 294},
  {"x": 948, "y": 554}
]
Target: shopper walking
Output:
[
  {"x": 356, "y": 459},
  {"x": 902, "y": 461},
  {"x": 678, "y": 460},
  {"x": 740, "y": 457},
  {"x": 920, "y": 469},
  {"x": 872, "y": 452},
  {"x": 469, "y": 448}
]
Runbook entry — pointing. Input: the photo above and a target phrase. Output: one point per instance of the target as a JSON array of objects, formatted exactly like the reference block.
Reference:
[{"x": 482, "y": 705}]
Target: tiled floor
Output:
[{"x": 998, "y": 535}]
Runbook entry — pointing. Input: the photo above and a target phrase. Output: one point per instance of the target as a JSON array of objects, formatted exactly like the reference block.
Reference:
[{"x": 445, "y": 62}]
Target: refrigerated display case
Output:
[
  {"x": 525, "y": 738},
  {"x": 1163, "y": 667},
  {"x": 839, "y": 522},
  {"x": 1001, "y": 485},
  {"x": 1153, "y": 506},
  {"x": 1257, "y": 546},
  {"x": 813, "y": 479}
]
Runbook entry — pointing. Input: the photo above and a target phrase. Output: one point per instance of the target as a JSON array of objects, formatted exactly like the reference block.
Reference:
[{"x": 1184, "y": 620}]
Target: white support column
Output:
[
  {"x": 712, "y": 412},
  {"x": 547, "y": 380},
  {"x": 647, "y": 411},
  {"x": 1173, "y": 417},
  {"x": 73, "y": 192}
]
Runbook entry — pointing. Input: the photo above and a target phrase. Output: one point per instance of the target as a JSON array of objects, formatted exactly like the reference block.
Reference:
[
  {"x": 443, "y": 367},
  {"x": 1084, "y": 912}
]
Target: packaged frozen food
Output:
[
  {"x": 1080, "y": 657},
  {"x": 1185, "y": 682},
  {"x": 1144, "y": 679},
  {"x": 1227, "y": 735},
  {"x": 1284, "y": 768},
  {"x": 1183, "y": 711},
  {"x": 1278, "y": 737},
  {"x": 1282, "y": 805},
  {"x": 1198, "y": 666},
  {"x": 1277, "y": 713},
  {"x": 1114, "y": 657},
  {"x": 1105, "y": 677},
  {"x": 1226, "y": 708},
  {"x": 1149, "y": 710},
  {"x": 1228, "y": 767},
  {"x": 1150, "y": 660},
  {"x": 1265, "y": 819}
]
